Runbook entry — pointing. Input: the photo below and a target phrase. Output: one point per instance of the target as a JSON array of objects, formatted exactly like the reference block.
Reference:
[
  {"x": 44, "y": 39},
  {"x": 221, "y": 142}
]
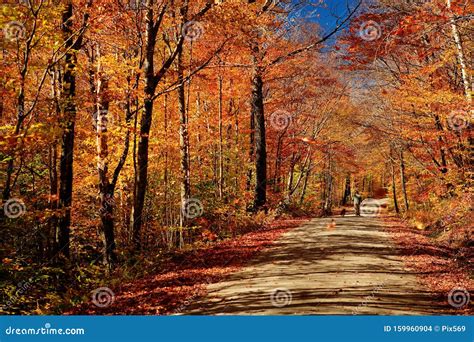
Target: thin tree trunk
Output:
[
  {"x": 291, "y": 189},
  {"x": 460, "y": 54},
  {"x": 370, "y": 185},
  {"x": 10, "y": 164},
  {"x": 403, "y": 181},
  {"x": 260, "y": 194},
  {"x": 277, "y": 177},
  {"x": 135, "y": 169},
  {"x": 238, "y": 166},
  {"x": 251, "y": 157},
  {"x": 99, "y": 88},
  {"x": 185, "y": 188},
  {"x": 145, "y": 126},
  {"x": 442, "y": 151},
  {"x": 394, "y": 188},
  {"x": 53, "y": 166},
  {"x": 328, "y": 199},
  {"x": 329, "y": 186},
  {"x": 221, "y": 157},
  {"x": 68, "y": 125},
  {"x": 306, "y": 180},
  {"x": 106, "y": 190},
  {"x": 25, "y": 58},
  {"x": 347, "y": 190},
  {"x": 291, "y": 173},
  {"x": 167, "y": 220},
  {"x": 19, "y": 124}
]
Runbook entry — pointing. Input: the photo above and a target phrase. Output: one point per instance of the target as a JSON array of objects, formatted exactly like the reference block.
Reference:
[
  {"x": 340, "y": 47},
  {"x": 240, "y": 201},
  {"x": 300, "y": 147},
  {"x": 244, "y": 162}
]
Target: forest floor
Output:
[{"x": 335, "y": 265}]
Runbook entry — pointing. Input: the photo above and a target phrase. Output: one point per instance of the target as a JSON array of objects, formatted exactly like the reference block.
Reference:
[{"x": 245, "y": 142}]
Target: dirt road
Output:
[{"x": 345, "y": 266}]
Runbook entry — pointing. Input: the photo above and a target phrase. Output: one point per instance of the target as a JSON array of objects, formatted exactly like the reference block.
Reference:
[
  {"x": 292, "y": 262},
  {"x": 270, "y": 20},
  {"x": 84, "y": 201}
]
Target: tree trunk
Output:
[
  {"x": 306, "y": 180},
  {"x": 68, "y": 125},
  {"x": 260, "y": 194},
  {"x": 291, "y": 189},
  {"x": 347, "y": 190},
  {"x": 251, "y": 151},
  {"x": 107, "y": 204},
  {"x": 277, "y": 177},
  {"x": 185, "y": 187},
  {"x": 460, "y": 54},
  {"x": 135, "y": 169},
  {"x": 166, "y": 213},
  {"x": 327, "y": 210},
  {"x": 145, "y": 125},
  {"x": 443, "y": 167},
  {"x": 394, "y": 188},
  {"x": 19, "y": 124},
  {"x": 402, "y": 177},
  {"x": 106, "y": 190},
  {"x": 20, "y": 118},
  {"x": 328, "y": 200},
  {"x": 221, "y": 157},
  {"x": 291, "y": 173}
]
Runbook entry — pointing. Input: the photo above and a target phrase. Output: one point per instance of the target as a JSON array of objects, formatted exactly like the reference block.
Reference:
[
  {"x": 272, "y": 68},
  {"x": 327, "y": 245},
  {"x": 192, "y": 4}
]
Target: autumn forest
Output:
[{"x": 150, "y": 148}]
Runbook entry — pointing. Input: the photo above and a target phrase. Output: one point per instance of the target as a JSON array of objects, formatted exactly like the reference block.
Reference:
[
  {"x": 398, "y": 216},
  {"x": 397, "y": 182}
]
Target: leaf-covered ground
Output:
[
  {"x": 185, "y": 276},
  {"x": 441, "y": 266},
  {"x": 172, "y": 287}
]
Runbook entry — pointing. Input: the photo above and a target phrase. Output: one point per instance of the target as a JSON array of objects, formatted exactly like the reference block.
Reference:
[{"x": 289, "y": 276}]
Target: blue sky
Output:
[
  {"x": 327, "y": 18},
  {"x": 327, "y": 14}
]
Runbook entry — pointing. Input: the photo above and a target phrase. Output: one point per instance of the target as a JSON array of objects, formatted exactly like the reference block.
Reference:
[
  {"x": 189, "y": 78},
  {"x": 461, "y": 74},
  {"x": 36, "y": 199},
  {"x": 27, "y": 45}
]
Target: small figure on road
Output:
[
  {"x": 357, "y": 200},
  {"x": 331, "y": 225}
]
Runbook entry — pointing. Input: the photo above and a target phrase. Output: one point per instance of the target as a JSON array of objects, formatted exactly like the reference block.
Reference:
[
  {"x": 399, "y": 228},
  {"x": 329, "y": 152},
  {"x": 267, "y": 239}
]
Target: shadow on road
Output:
[{"x": 343, "y": 266}]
